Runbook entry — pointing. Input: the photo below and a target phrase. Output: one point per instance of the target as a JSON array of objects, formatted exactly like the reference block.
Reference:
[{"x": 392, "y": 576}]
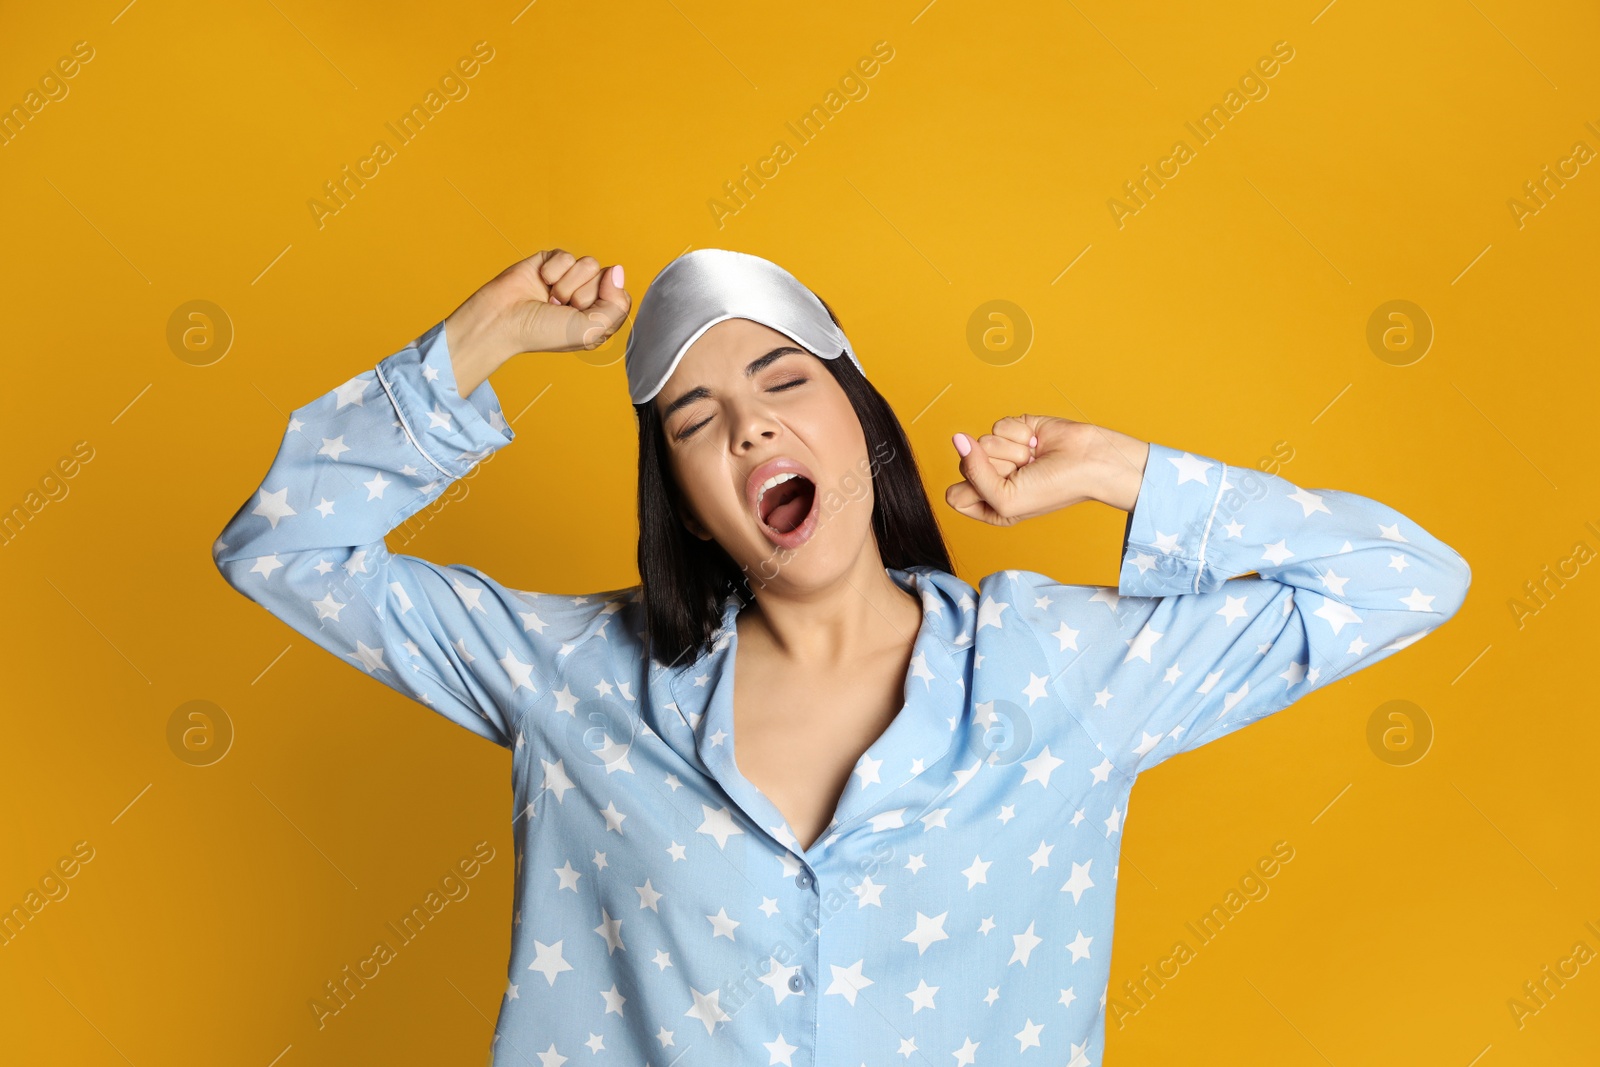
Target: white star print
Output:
[
  {"x": 868, "y": 892},
  {"x": 548, "y": 960},
  {"x": 1080, "y": 947},
  {"x": 1417, "y": 601},
  {"x": 1276, "y": 552},
  {"x": 1139, "y": 645},
  {"x": 1079, "y": 881},
  {"x": 1023, "y": 945},
  {"x": 369, "y": 658},
  {"x": 866, "y": 769},
  {"x": 848, "y": 981},
  {"x": 614, "y": 999},
  {"x": 375, "y": 486},
  {"x": 520, "y": 673},
  {"x": 780, "y": 1051},
  {"x": 1338, "y": 614},
  {"x": 1040, "y": 767},
  {"x": 1067, "y": 636},
  {"x": 721, "y": 925},
  {"x": 568, "y": 876},
  {"x": 555, "y": 778},
  {"x": 718, "y": 823},
  {"x": 351, "y": 392},
  {"x": 274, "y": 506},
  {"x": 922, "y": 996},
  {"x": 1309, "y": 502},
  {"x": 707, "y": 1009},
  {"x": 1190, "y": 469},
  {"x": 928, "y": 930},
  {"x": 777, "y": 979},
  {"x": 1332, "y": 582},
  {"x": 1232, "y": 608},
  {"x": 611, "y": 930}
]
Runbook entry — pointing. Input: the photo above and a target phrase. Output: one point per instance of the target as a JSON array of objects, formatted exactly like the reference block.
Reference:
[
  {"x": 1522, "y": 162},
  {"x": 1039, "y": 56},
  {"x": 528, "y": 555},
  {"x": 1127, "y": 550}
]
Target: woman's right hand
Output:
[
  {"x": 550, "y": 302},
  {"x": 557, "y": 302}
]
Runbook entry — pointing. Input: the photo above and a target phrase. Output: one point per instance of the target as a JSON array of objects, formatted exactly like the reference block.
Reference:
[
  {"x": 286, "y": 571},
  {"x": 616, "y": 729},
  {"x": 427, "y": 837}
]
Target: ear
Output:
[{"x": 693, "y": 525}]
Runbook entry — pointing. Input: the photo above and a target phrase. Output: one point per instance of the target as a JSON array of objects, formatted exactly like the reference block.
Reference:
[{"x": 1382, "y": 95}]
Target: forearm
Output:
[
  {"x": 1199, "y": 523},
  {"x": 477, "y": 338},
  {"x": 1118, "y": 463},
  {"x": 362, "y": 458}
]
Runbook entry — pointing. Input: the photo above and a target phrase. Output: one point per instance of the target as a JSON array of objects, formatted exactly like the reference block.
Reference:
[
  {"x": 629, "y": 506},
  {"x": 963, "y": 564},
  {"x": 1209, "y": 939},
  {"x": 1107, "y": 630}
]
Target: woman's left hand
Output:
[{"x": 1032, "y": 465}]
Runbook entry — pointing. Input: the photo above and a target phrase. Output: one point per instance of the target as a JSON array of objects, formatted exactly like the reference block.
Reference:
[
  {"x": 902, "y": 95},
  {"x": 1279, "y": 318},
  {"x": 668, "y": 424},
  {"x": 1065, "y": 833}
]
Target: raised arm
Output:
[
  {"x": 363, "y": 458},
  {"x": 1187, "y": 649}
]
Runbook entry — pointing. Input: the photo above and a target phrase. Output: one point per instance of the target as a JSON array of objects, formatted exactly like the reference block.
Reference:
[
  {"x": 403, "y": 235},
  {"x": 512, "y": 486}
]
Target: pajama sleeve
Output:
[
  {"x": 1187, "y": 650},
  {"x": 308, "y": 545}
]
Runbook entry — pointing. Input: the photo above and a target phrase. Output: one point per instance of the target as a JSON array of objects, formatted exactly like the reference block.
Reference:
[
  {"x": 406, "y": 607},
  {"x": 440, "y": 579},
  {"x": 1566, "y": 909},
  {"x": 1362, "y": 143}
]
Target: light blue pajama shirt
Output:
[{"x": 958, "y": 909}]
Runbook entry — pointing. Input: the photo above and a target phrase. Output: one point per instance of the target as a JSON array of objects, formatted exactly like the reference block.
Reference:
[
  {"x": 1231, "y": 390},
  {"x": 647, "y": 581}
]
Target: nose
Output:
[{"x": 751, "y": 423}]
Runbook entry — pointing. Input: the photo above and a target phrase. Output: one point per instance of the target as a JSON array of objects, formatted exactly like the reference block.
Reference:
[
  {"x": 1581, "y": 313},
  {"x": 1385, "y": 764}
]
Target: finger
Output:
[
  {"x": 555, "y": 265},
  {"x": 977, "y": 468},
  {"x": 525, "y": 279},
  {"x": 581, "y": 271},
  {"x": 1017, "y": 428},
  {"x": 609, "y": 310},
  {"x": 1004, "y": 448},
  {"x": 585, "y": 294},
  {"x": 965, "y": 499}
]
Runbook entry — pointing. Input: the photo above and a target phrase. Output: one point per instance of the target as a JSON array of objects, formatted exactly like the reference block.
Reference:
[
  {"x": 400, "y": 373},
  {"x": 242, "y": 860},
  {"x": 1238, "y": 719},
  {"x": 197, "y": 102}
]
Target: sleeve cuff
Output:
[
  {"x": 451, "y": 431},
  {"x": 1165, "y": 539}
]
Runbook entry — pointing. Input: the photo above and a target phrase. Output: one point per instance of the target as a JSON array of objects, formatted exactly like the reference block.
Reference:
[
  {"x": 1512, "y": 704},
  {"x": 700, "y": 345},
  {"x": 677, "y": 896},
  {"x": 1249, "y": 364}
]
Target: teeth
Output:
[{"x": 776, "y": 479}]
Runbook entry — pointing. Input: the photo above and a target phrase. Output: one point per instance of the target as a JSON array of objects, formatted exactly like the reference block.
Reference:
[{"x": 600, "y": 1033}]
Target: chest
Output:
[{"x": 797, "y": 735}]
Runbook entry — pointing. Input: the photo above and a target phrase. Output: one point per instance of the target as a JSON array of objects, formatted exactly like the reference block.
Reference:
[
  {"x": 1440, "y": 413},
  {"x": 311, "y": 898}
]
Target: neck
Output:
[{"x": 861, "y": 613}]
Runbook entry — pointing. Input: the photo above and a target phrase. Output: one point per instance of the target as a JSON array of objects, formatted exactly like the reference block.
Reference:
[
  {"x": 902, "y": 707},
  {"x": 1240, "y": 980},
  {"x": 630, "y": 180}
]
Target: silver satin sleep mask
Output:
[{"x": 702, "y": 288}]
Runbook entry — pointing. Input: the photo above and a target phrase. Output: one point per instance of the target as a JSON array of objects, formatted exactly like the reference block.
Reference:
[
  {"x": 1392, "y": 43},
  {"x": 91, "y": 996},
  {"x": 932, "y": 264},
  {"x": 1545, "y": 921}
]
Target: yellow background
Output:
[{"x": 1228, "y": 315}]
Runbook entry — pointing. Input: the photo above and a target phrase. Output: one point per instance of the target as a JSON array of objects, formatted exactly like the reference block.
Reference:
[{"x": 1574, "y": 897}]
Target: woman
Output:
[{"x": 916, "y": 848}]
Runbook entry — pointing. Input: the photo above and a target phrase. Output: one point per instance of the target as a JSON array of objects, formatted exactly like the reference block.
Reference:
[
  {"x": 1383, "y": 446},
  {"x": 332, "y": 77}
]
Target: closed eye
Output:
[{"x": 685, "y": 434}]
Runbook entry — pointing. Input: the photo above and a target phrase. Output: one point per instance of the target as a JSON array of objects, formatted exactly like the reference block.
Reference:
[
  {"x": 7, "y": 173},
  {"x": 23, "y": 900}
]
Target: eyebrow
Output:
[{"x": 755, "y": 366}]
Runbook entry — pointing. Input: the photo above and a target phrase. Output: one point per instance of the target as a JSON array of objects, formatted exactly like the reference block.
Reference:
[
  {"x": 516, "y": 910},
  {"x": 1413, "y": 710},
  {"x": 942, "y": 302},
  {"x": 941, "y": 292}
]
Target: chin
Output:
[{"x": 823, "y": 557}]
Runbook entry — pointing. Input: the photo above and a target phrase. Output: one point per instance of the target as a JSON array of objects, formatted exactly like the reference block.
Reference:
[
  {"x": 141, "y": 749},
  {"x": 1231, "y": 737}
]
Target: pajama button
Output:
[
  {"x": 795, "y": 981},
  {"x": 803, "y": 880}
]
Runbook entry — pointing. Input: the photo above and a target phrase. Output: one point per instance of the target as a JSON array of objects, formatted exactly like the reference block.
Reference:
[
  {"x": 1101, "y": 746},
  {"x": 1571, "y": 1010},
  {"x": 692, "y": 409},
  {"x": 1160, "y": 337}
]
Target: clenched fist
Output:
[
  {"x": 550, "y": 302},
  {"x": 1035, "y": 464}
]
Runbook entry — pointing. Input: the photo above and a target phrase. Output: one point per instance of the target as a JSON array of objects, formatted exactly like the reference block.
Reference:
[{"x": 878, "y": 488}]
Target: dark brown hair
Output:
[{"x": 685, "y": 581}]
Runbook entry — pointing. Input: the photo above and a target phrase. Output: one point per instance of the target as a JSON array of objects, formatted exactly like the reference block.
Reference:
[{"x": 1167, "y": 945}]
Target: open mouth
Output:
[{"x": 786, "y": 501}]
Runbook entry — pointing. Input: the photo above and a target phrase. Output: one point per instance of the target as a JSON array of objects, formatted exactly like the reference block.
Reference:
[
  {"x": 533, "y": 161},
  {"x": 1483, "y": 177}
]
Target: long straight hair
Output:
[{"x": 685, "y": 581}]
